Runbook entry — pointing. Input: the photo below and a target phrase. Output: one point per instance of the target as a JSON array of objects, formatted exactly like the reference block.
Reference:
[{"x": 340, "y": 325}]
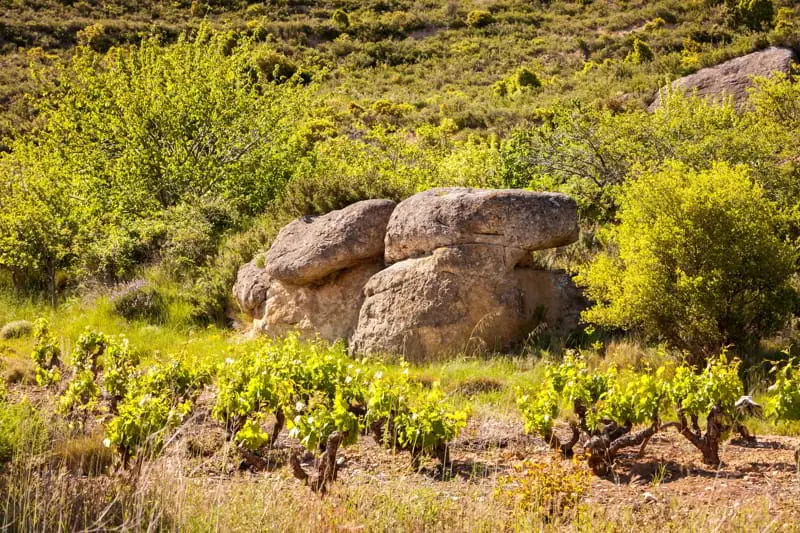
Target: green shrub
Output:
[
  {"x": 755, "y": 14},
  {"x": 589, "y": 152},
  {"x": 16, "y": 329},
  {"x": 524, "y": 77},
  {"x": 341, "y": 171},
  {"x": 209, "y": 295},
  {"x": 655, "y": 24},
  {"x": 138, "y": 131},
  {"x": 478, "y": 18},
  {"x": 500, "y": 88},
  {"x": 341, "y": 19},
  {"x": 140, "y": 301},
  {"x": 191, "y": 234},
  {"x": 94, "y": 36},
  {"x": 274, "y": 66},
  {"x": 641, "y": 52},
  {"x": 786, "y": 28},
  {"x": 695, "y": 260},
  {"x": 198, "y": 9}
]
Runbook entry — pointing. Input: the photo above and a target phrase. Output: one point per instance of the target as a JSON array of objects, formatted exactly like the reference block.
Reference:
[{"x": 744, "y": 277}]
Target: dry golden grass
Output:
[
  {"x": 84, "y": 455},
  {"x": 17, "y": 370}
]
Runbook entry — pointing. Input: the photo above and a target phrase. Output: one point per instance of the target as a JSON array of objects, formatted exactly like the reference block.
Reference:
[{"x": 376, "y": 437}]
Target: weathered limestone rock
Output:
[
  {"x": 733, "y": 78},
  {"x": 328, "y": 308},
  {"x": 520, "y": 221},
  {"x": 550, "y": 299},
  {"x": 457, "y": 300},
  {"x": 311, "y": 248},
  {"x": 460, "y": 281},
  {"x": 250, "y": 289}
]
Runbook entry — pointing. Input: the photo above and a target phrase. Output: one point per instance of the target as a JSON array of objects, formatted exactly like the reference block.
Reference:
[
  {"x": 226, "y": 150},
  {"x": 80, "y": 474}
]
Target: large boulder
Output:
[
  {"x": 460, "y": 282},
  {"x": 328, "y": 308},
  {"x": 250, "y": 289},
  {"x": 311, "y": 248},
  {"x": 733, "y": 78},
  {"x": 457, "y": 300},
  {"x": 519, "y": 221}
]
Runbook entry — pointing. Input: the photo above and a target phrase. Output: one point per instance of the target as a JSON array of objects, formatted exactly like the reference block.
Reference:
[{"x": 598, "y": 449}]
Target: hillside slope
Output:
[{"x": 435, "y": 58}]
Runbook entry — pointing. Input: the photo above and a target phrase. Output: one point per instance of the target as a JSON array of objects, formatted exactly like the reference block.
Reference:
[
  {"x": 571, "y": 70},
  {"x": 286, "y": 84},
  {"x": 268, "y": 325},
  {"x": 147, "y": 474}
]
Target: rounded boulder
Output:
[
  {"x": 311, "y": 248},
  {"x": 511, "y": 218}
]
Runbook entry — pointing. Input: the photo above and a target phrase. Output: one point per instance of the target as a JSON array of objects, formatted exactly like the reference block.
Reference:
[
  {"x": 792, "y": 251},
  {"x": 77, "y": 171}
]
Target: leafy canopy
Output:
[
  {"x": 695, "y": 260},
  {"x": 138, "y": 141}
]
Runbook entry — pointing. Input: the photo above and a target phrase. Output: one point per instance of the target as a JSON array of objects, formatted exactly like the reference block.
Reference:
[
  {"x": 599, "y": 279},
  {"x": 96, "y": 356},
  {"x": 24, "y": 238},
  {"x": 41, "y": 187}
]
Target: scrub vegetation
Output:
[{"x": 150, "y": 148}]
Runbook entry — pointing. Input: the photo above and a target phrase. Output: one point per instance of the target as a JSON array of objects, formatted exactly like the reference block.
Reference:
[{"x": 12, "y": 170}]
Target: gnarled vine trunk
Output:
[
  {"x": 604, "y": 448},
  {"x": 797, "y": 460},
  {"x": 326, "y": 469},
  {"x": 277, "y": 427},
  {"x": 708, "y": 444},
  {"x": 565, "y": 448}
]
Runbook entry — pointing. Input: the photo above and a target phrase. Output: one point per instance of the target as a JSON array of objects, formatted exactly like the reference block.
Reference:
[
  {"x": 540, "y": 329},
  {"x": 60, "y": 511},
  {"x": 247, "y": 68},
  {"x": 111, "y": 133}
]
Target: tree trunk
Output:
[
  {"x": 565, "y": 449},
  {"x": 742, "y": 430},
  {"x": 708, "y": 444},
  {"x": 696, "y": 426},
  {"x": 713, "y": 436},
  {"x": 326, "y": 469},
  {"x": 602, "y": 450},
  {"x": 280, "y": 419},
  {"x": 327, "y": 464},
  {"x": 442, "y": 452}
]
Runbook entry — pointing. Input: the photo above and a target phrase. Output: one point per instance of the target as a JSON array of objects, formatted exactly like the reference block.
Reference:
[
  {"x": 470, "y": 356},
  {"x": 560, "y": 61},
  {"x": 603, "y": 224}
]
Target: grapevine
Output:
[
  {"x": 608, "y": 405},
  {"x": 46, "y": 354},
  {"x": 785, "y": 402},
  {"x": 328, "y": 400},
  {"x": 155, "y": 401}
]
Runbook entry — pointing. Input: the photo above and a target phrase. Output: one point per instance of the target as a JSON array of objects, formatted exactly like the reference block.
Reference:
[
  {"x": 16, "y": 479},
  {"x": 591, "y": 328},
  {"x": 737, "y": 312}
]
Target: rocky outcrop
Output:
[
  {"x": 250, "y": 289},
  {"x": 460, "y": 281},
  {"x": 313, "y": 277},
  {"x": 311, "y": 248},
  {"x": 456, "y": 300},
  {"x": 329, "y": 308},
  {"x": 733, "y": 78}
]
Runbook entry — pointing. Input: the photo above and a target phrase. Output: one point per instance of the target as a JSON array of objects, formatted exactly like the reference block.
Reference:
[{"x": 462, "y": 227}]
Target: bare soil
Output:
[{"x": 668, "y": 480}]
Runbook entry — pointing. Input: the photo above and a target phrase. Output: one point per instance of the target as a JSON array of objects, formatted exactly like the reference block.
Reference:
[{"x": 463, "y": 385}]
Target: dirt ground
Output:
[
  {"x": 669, "y": 479},
  {"x": 668, "y": 483}
]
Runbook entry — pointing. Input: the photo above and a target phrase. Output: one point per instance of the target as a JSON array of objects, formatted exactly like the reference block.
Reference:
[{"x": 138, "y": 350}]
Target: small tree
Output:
[
  {"x": 641, "y": 53},
  {"x": 130, "y": 136},
  {"x": 695, "y": 260},
  {"x": 525, "y": 77},
  {"x": 37, "y": 225}
]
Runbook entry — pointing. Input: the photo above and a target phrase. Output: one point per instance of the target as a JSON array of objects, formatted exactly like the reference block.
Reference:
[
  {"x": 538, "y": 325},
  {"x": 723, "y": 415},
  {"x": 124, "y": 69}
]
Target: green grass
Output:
[
  {"x": 155, "y": 342},
  {"x": 166, "y": 498}
]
